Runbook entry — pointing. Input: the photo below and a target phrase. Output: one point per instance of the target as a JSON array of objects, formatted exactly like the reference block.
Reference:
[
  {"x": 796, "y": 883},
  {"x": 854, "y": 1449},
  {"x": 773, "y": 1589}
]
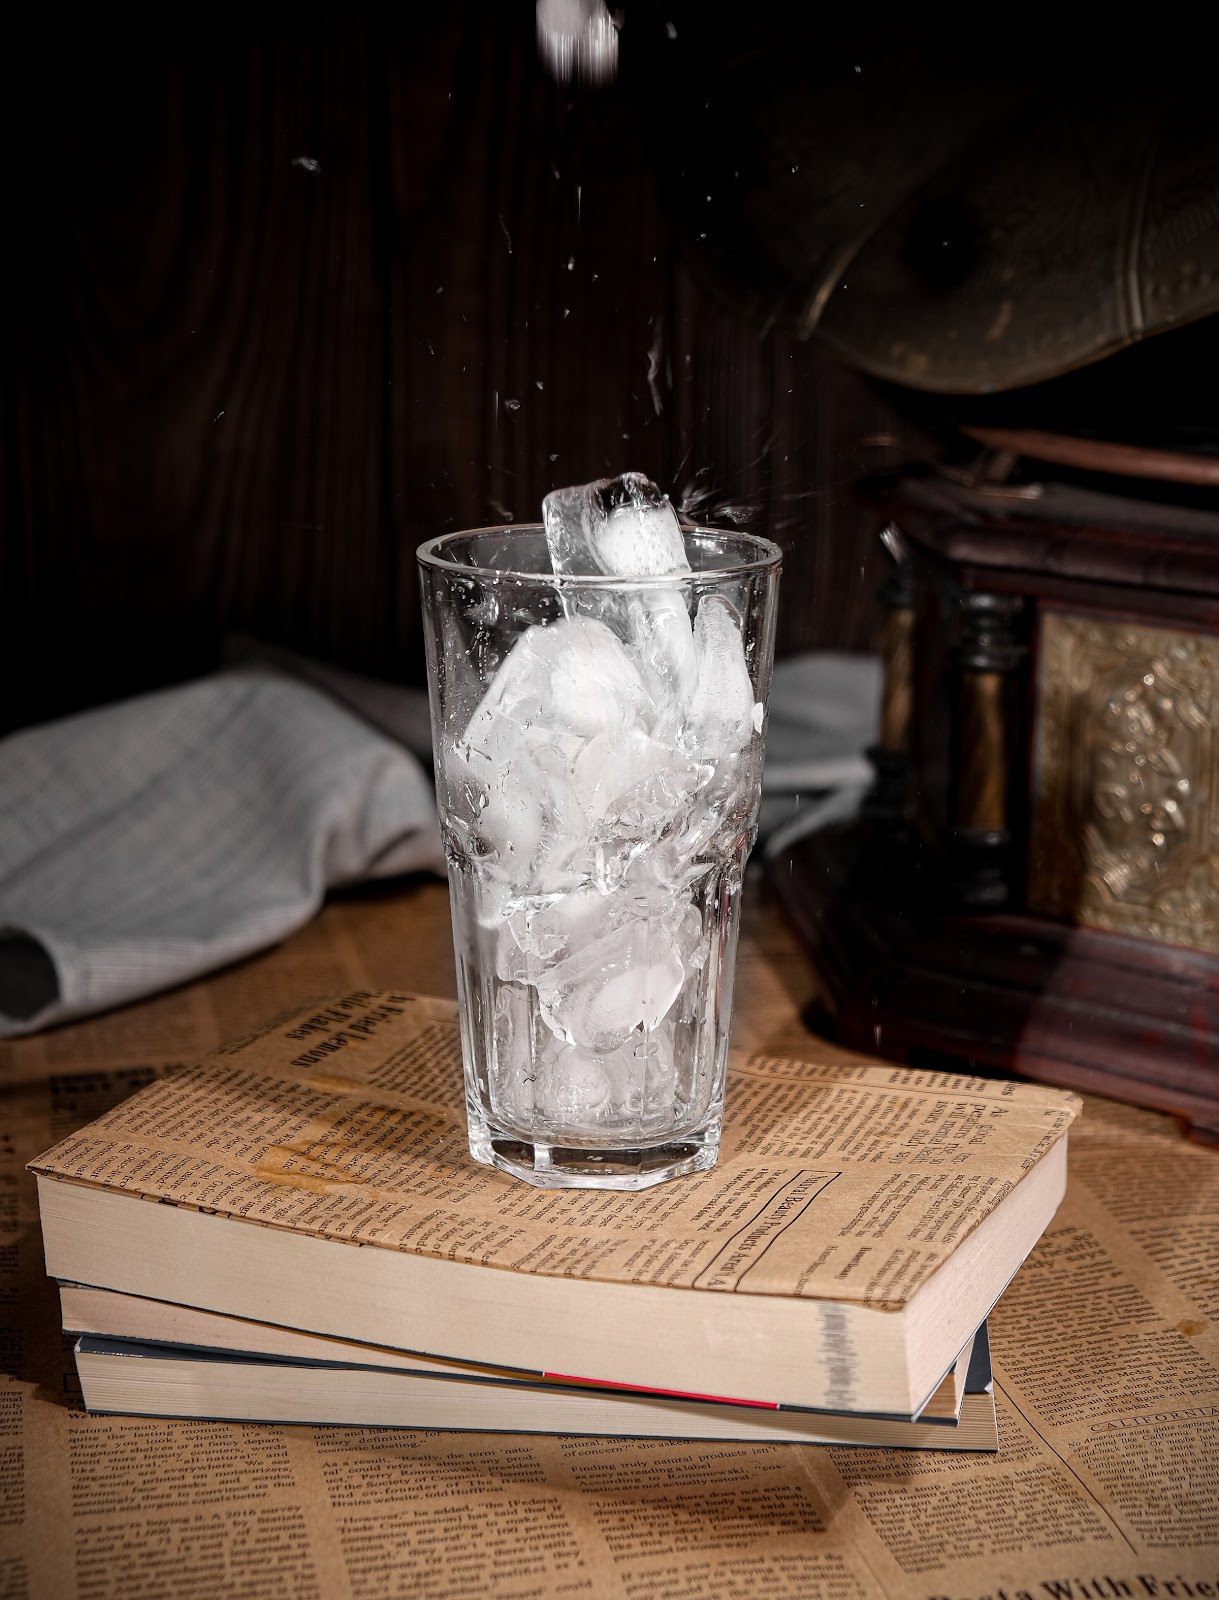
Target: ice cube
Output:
[
  {"x": 719, "y": 826},
  {"x": 634, "y": 1083},
  {"x": 572, "y": 676},
  {"x": 543, "y": 929},
  {"x": 613, "y": 986},
  {"x": 524, "y": 802},
  {"x": 642, "y": 1076},
  {"x": 630, "y": 844},
  {"x": 721, "y": 713},
  {"x": 571, "y": 1088},
  {"x": 511, "y": 818},
  {"x": 662, "y": 645},
  {"x": 560, "y": 686},
  {"x": 619, "y": 527},
  {"x": 625, "y": 528},
  {"x": 614, "y": 773},
  {"x": 511, "y": 1082}
]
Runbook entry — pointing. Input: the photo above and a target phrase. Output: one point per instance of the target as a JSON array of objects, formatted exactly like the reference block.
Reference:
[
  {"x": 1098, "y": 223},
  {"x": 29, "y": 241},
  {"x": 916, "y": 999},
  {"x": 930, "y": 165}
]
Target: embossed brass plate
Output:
[{"x": 1126, "y": 780}]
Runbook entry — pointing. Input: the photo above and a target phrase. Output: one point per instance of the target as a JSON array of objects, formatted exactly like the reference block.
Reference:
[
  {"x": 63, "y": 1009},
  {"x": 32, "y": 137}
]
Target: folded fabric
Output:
[
  {"x": 147, "y": 842},
  {"x": 396, "y": 709},
  {"x": 824, "y": 710}
]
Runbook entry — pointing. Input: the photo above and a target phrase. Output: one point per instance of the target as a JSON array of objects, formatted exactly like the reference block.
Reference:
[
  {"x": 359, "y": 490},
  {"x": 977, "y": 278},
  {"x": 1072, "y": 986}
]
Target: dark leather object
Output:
[{"x": 949, "y": 207}]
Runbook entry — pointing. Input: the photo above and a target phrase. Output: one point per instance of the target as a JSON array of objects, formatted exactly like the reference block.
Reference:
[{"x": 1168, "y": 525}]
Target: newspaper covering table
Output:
[{"x": 1106, "y": 1355}]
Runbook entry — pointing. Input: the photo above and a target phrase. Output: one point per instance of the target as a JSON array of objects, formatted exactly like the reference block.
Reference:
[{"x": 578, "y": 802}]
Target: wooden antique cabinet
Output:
[{"x": 1033, "y": 884}]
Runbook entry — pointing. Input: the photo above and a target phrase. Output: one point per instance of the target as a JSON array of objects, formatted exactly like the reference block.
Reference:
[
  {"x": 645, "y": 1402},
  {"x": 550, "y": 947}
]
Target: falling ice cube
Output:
[
  {"x": 618, "y": 527},
  {"x": 625, "y": 528}
]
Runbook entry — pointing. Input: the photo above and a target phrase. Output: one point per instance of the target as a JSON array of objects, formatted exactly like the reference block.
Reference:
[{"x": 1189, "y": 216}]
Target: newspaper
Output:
[
  {"x": 1106, "y": 1355},
  {"x": 844, "y": 1182}
]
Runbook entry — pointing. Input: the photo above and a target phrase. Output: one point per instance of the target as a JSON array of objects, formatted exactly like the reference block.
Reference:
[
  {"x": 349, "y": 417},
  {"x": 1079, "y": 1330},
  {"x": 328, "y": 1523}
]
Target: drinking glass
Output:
[{"x": 598, "y": 750}]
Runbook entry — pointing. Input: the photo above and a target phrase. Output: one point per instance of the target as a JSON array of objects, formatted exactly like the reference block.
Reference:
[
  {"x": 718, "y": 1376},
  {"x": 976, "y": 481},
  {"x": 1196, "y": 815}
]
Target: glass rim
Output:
[{"x": 767, "y": 557}]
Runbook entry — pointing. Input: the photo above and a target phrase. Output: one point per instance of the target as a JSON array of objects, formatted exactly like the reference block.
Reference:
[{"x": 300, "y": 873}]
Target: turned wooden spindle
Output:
[{"x": 989, "y": 653}]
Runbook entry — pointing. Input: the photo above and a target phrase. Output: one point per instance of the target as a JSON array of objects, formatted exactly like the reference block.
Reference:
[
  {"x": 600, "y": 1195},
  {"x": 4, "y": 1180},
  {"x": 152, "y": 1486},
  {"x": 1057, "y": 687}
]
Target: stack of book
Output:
[{"x": 292, "y": 1231}]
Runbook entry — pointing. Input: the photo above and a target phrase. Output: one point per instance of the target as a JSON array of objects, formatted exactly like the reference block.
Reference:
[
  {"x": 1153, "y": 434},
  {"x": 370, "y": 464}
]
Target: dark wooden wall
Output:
[{"x": 293, "y": 287}]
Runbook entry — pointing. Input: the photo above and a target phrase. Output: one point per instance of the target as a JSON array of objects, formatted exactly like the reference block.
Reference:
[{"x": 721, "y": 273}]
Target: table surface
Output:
[{"x": 1106, "y": 1357}]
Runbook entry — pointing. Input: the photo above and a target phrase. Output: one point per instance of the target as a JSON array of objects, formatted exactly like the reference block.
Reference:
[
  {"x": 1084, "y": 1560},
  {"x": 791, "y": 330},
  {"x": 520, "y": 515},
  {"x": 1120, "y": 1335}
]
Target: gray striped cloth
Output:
[{"x": 147, "y": 842}]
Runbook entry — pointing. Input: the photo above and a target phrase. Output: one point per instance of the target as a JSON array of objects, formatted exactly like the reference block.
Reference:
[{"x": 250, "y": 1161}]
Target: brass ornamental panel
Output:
[{"x": 1124, "y": 830}]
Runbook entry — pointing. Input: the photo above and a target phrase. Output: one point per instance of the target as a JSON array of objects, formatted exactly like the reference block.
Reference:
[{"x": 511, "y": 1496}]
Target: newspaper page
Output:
[
  {"x": 1106, "y": 1356},
  {"x": 845, "y": 1182}
]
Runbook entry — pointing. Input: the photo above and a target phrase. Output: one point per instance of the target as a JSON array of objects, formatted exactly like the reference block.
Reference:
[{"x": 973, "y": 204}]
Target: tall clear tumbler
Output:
[{"x": 598, "y": 746}]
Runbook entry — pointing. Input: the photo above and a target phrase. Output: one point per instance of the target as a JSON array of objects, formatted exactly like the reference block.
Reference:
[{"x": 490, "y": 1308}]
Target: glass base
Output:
[{"x": 553, "y": 1166}]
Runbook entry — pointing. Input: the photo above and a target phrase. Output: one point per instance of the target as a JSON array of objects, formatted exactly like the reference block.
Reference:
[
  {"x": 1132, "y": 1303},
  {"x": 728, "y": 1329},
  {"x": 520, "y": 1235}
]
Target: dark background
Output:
[{"x": 291, "y": 288}]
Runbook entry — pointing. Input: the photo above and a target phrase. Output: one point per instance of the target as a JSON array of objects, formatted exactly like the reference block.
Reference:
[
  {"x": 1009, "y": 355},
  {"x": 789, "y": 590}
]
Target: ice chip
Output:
[
  {"x": 688, "y": 941},
  {"x": 720, "y": 711},
  {"x": 618, "y": 527}
]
